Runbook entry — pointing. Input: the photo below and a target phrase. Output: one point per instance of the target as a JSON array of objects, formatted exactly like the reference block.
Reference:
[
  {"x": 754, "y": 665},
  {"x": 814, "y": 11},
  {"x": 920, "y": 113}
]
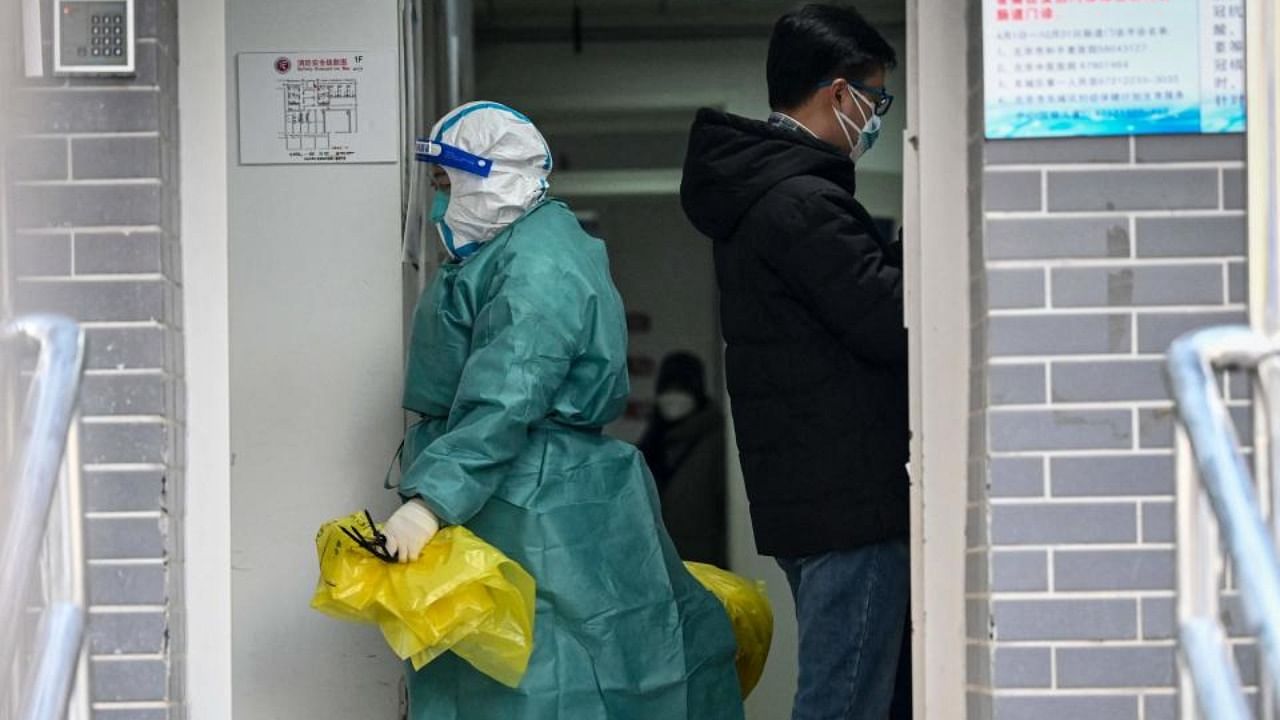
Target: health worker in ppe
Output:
[{"x": 516, "y": 362}]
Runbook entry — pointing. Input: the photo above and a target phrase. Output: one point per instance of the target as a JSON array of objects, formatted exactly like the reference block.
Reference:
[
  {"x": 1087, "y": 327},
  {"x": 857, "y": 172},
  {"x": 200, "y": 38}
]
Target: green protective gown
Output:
[{"x": 518, "y": 359}]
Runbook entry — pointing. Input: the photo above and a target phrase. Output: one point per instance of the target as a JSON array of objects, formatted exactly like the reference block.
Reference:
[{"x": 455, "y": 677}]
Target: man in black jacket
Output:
[{"x": 812, "y": 316}]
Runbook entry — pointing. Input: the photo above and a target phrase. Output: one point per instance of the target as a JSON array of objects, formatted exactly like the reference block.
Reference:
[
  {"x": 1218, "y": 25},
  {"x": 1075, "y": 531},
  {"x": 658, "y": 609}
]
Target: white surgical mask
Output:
[
  {"x": 675, "y": 405},
  {"x": 867, "y": 134}
]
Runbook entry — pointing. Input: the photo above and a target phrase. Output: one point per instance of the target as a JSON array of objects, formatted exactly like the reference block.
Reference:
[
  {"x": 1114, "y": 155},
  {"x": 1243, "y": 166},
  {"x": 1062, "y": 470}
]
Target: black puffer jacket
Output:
[{"x": 811, "y": 311}]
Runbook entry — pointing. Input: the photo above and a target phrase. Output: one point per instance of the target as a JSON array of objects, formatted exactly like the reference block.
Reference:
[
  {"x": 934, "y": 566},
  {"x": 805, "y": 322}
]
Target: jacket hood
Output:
[{"x": 732, "y": 161}]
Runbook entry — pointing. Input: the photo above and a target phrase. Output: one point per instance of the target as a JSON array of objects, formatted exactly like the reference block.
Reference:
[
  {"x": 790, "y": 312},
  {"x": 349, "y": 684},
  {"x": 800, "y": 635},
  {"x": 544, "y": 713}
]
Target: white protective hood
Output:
[{"x": 481, "y": 207}]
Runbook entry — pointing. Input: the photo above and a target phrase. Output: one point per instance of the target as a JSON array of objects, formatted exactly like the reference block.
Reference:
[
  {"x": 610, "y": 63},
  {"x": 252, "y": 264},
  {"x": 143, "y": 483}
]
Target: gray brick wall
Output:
[
  {"x": 1098, "y": 253},
  {"x": 93, "y": 198}
]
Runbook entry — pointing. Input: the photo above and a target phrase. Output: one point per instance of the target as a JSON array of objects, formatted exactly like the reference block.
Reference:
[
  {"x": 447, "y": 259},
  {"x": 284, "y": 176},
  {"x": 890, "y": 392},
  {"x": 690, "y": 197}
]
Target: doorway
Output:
[{"x": 614, "y": 89}]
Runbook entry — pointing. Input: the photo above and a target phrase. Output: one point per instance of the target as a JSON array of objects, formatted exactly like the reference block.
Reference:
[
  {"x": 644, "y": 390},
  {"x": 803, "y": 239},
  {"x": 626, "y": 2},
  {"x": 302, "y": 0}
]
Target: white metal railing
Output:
[
  {"x": 1228, "y": 519},
  {"x": 1223, "y": 521},
  {"x": 40, "y": 674}
]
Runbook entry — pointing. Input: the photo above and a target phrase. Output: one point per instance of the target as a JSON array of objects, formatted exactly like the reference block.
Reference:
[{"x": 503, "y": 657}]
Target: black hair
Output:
[
  {"x": 683, "y": 371},
  {"x": 819, "y": 43}
]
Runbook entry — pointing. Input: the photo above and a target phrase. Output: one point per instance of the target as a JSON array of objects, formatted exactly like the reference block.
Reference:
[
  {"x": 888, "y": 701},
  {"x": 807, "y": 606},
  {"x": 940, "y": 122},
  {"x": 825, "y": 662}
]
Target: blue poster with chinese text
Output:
[{"x": 1070, "y": 68}]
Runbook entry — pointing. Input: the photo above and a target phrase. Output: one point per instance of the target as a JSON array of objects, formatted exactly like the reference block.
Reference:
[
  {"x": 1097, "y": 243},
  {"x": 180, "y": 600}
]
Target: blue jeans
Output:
[{"x": 852, "y": 608}]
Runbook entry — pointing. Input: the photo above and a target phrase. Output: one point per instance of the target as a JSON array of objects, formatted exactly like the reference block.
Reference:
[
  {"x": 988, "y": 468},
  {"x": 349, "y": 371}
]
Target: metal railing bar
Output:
[
  {"x": 1218, "y": 687},
  {"x": 32, "y": 480},
  {"x": 1267, "y": 464},
  {"x": 1196, "y": 556},
  {"x": 75, "y": 569},
  {"x": 1225, "y": 479},
  {"x": 54, "y": 670}
]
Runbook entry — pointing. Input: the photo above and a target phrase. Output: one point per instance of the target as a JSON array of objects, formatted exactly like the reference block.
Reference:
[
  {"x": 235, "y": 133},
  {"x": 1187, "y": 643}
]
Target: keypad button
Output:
[
  {"x": 119, "y": 41},
  {"x": 97, "y": 31},
  {"x": 118, "y": 30},
  {"x": 97, "y": 19},
  {"x": 96, "y": 52},
  {"x": 119, "y": 52},
  {"x": 117, "y": 19}
]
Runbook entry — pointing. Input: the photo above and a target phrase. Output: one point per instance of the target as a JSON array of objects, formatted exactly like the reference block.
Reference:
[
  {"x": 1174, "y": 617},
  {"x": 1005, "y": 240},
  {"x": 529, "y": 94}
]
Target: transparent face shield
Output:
[{"x": 450, "y": 157}]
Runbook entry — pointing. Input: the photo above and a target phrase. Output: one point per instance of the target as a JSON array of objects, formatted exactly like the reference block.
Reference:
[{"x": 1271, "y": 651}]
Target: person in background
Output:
[
  {"x": 684, "y": 448},
  {"x": 816, "y": 352},
  {"x": 517, "y": 360}
]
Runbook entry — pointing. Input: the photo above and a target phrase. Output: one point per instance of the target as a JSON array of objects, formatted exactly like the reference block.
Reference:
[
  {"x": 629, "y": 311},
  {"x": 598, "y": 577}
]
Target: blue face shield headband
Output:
[{"x": 446, "y": 155}]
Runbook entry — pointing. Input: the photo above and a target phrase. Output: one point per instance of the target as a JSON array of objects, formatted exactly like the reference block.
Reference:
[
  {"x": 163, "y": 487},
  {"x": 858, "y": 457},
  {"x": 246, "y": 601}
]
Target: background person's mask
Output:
[{"x": 675, "y": 405}]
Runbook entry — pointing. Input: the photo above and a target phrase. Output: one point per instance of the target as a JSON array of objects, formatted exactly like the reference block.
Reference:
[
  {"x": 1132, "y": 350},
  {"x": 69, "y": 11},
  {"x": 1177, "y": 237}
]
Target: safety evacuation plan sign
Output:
[{"x": 318, "y": 107}]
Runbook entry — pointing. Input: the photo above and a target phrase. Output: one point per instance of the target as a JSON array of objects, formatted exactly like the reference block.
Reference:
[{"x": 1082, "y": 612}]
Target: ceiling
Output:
[
  {"x": 869, "y": 8},
  {"x": 500, "y": 20}
]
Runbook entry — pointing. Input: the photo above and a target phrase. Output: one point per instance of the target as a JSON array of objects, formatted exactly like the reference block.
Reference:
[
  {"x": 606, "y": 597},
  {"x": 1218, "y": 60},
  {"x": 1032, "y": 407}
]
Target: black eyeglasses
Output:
[{"x": 883, "y": 98}]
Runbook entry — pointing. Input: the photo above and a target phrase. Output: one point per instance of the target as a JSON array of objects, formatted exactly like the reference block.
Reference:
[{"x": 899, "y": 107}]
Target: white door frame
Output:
[
  {"x": 936, "y": 214},
  {"x": 936, "y": 230},
  {"x": 206, "y": 520}
]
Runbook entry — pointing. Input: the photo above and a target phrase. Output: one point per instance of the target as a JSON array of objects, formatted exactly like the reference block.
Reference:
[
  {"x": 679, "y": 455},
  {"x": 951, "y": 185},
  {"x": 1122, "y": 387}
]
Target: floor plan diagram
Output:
[
  {"x": 317, "y": 110},
  {"x": 312, "y": 108}
]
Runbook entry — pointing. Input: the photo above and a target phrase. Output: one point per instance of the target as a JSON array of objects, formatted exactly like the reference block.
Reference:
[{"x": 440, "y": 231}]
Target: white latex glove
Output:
[{"x": 409, "y": 529}]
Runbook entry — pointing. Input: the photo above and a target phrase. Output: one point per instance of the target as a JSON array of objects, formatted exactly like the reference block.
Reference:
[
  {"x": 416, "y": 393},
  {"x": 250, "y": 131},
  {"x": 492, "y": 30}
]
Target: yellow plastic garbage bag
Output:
[
  {"x": 751, "y": 614},
  {"x": 461, "y": 594}
]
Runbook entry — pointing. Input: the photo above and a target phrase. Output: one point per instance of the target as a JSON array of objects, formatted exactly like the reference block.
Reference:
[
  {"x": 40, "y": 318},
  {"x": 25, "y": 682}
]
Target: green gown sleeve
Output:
[{"x": 523, "y": 342}]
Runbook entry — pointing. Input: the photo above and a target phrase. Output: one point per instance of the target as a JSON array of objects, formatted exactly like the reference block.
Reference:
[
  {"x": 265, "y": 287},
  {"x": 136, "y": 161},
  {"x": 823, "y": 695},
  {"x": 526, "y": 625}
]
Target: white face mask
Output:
[
  {"x": 867, "y": 134},
  {"x": 675, "y": 405}
]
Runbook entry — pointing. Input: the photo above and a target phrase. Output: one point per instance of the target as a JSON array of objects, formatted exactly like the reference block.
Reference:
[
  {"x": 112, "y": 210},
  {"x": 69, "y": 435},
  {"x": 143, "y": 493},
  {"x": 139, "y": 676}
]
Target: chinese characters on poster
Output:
[{"x": 1067, "y": 68}]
